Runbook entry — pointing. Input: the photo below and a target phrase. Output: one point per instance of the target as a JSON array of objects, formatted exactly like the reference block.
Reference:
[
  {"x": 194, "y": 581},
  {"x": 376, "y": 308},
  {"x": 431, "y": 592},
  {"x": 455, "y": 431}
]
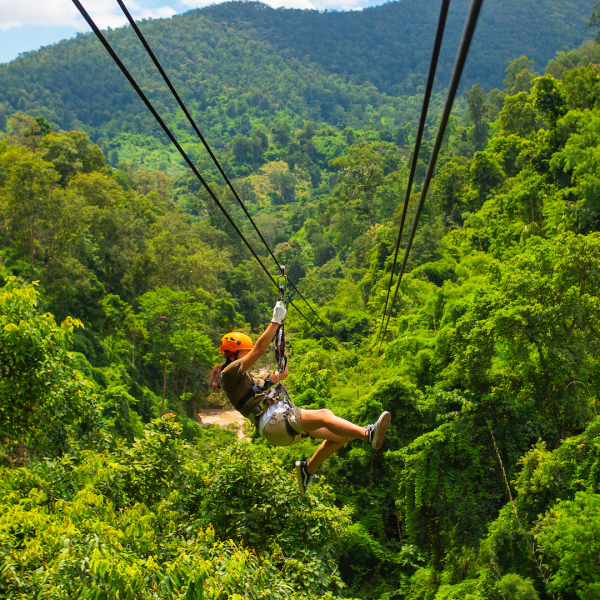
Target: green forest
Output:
[
  {"x": 242, "y": 66},
  {"x": 119, "y": 276}
]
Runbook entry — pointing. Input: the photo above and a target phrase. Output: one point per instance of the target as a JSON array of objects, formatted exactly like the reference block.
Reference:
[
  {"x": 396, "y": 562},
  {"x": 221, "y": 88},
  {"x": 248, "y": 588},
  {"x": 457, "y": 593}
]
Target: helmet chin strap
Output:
[{"x": 229, "y": 359}]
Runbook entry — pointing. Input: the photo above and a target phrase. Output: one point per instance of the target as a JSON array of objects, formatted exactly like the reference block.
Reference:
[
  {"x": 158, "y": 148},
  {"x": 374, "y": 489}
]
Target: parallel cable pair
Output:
[
  {"x": 439, "y": 36},
  {"x": 191, "y": 121},
  {"x": 181, "y": 151},
  {"x": 463, "y": 52}
]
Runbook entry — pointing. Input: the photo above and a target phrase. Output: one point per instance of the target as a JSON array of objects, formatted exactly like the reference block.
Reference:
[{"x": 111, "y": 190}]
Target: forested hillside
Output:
[
  {"x": 342, "y": 68},
  {"x": 118, "y": 281}
]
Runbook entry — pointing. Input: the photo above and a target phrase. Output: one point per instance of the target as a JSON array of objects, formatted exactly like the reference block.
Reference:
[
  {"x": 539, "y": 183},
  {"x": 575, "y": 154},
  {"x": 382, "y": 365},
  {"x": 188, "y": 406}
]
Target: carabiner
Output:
[{"x": 282, "y": 287}]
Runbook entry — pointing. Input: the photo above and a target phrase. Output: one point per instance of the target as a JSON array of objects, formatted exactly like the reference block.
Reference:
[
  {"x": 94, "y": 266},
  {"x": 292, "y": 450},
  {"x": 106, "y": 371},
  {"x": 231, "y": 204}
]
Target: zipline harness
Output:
[
  {"x": 285, "y": 296},
  {"x": 272, "y": 394}
]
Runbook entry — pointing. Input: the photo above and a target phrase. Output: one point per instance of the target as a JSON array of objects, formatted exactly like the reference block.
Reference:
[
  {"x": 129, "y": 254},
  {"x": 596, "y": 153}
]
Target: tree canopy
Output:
[{"x": 118, "y": 280}]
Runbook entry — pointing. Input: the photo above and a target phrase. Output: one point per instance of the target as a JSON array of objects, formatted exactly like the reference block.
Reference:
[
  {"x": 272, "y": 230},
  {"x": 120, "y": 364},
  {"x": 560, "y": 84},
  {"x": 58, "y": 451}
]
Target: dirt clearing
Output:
[{"x": 222, "y": 417}]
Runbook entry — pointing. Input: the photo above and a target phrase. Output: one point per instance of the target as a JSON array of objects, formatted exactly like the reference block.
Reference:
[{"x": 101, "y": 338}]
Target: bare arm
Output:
[{"x": 261, "y": 346}]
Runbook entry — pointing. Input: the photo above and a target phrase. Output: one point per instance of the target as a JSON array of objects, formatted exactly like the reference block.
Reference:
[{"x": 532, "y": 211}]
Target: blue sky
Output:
[{"x": 29, "y": 24}]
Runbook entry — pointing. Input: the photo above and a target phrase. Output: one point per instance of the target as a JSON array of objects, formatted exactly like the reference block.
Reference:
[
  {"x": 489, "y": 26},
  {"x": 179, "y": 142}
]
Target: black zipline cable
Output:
[
  {"x": 181, "y": 151},
  {"x": 158, "y": 118},
  {"x": 439, "y": 36},
  {"x": 189, "y": 117},
  {"x": 463, "y": 52}
]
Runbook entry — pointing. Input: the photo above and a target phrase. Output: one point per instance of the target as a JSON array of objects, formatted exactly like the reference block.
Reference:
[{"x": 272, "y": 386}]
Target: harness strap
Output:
[
  {"x": 291, "y": 431},
  {"x": 257, "y": 412},
  {"x": 255, "y": 388},
  {"x": 288, "y": 428},
  {"x": 272, "y": 394}
]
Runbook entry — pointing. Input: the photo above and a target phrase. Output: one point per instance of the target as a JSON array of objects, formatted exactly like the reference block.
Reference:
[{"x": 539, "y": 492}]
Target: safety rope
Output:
[
  {"x": 463, "y": 52},
  {"x": 439, "y": 36},
  {"x": 279, "y": 339},
  {"x": 195, "y": 127},
  {"x": 181, "y": 151}
]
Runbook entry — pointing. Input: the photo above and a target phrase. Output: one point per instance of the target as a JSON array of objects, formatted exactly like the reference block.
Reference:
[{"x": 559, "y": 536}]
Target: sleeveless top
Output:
[{"x": 237, "y": 383}]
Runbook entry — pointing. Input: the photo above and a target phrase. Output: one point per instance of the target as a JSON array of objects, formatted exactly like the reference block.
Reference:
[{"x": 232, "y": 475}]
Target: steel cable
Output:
[
  {"x": 181, "y": 151},
  {"x": 195, "y": 127},
  {"x": 439, "y": 36},
  {"x": 463, "y": 52}
]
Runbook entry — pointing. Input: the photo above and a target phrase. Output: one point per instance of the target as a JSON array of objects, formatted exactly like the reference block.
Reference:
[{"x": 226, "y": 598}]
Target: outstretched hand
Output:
[{"x": 279, "y": 313}]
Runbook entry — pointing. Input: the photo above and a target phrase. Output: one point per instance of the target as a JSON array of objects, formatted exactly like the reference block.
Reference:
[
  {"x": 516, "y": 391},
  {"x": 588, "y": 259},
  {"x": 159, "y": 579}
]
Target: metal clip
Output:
[{"x": 282, "y": 286}]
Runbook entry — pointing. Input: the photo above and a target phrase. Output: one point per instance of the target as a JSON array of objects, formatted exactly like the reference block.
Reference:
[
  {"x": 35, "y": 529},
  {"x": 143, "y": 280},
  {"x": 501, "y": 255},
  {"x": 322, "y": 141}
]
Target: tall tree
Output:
[{"x": 173, "y": 322}]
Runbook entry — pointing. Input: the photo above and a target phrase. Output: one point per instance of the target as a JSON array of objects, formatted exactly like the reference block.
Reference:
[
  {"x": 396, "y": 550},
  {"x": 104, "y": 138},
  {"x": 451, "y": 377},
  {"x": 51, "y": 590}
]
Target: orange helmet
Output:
[{"x": 234, "y": 341}]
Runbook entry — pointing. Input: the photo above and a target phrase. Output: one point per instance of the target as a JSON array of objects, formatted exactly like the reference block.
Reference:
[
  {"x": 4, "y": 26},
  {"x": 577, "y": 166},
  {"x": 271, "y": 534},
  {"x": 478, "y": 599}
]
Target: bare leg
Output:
[
  {"x": 331, "y": 445},
  {"x": 323, "y": 418}
]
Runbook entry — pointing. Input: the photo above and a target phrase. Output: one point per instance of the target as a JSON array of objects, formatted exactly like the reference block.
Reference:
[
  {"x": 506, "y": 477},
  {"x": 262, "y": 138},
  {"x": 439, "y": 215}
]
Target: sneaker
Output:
[
  {"x": 376, "y": 431},
  {"x": 304, "y": 477}
]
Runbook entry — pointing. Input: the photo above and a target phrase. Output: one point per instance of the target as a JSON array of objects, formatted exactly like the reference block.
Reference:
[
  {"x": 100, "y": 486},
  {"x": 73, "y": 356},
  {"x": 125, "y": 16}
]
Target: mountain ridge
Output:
[
  {"x": 565, "y": 21},
  {"x": 327, "y": 62}
]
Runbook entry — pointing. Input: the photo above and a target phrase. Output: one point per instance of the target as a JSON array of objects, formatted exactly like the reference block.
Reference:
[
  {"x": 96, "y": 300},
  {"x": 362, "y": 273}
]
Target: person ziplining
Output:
[
  {"x": 255, "y": 399},
  {"x": 265, "y": 401}
]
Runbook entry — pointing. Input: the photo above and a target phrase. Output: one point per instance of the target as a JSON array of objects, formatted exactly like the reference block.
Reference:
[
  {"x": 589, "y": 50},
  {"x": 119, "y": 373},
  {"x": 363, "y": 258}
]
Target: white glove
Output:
[{"x": 279, "y": 313}]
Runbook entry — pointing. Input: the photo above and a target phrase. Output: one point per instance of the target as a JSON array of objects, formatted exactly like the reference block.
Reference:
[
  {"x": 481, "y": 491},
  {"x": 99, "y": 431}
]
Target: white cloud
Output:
[
  {"x": 37, "y": 12},
  {"x": 304, "y": 4},
  {"x": 273, "y": 3},
  {"x": 106, "y": 13},
  {"x": 354, "y": 5}
]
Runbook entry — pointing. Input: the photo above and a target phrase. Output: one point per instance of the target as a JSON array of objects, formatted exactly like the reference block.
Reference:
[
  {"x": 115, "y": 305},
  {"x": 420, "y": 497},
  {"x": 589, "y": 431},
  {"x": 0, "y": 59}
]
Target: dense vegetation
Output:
[
  {"x": 242, "y": 67},
  {"x": 118, "y": 281}
]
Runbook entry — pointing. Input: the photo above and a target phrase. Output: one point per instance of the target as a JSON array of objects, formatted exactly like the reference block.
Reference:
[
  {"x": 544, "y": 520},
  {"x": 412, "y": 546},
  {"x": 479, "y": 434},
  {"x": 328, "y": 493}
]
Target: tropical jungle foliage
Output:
[{"x": 118, "y": 281}]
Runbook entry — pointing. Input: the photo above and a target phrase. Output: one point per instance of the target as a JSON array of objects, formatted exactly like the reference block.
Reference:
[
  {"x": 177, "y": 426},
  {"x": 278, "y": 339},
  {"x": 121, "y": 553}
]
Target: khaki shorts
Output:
[{"x": 275, "y": 431}]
